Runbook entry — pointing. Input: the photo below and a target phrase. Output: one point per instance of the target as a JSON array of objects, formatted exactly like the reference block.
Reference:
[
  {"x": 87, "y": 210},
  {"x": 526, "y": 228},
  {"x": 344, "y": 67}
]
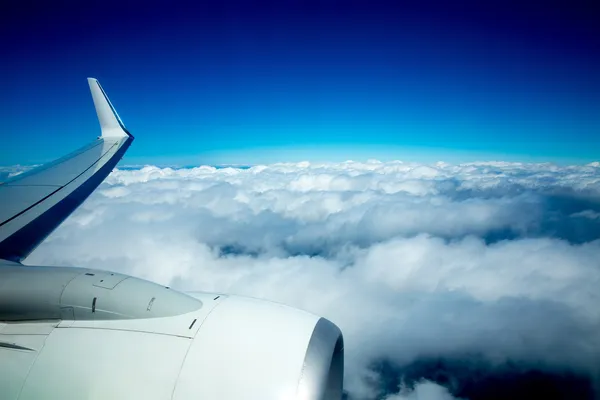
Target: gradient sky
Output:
[{"x": 250, "y": 82}]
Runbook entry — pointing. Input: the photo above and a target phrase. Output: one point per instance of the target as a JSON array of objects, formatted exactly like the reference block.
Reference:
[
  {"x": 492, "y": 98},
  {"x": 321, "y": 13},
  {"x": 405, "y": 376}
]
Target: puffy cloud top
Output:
[{"x": 445, "y": 279}]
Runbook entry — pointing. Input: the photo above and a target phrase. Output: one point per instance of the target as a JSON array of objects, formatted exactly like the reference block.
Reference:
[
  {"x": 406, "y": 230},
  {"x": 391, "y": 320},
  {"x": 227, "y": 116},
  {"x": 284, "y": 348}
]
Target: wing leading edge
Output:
[{"x": 37, "y": 202}]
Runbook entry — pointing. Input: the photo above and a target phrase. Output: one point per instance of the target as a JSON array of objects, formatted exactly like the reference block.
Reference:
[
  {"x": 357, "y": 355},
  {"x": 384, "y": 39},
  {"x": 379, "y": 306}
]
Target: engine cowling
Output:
[
  {"x": 95, "y": 334},
  {"x": 262, "y": 350}
]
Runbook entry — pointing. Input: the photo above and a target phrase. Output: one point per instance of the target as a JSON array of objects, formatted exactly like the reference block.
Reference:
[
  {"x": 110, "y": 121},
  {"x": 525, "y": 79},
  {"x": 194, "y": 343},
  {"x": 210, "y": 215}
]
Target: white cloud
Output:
[
  {"x": 587, "y": 214},
  {"x": 410, "y": 260},
  {"x": 7, "y": 172},
  {"x": 424, "y": 390}
]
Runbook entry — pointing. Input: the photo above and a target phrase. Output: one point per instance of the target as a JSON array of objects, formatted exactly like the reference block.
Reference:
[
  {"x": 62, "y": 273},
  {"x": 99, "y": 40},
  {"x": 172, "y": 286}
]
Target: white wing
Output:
[
  {"x": 73, "y": 333},
  {"x": 36, "y": 202}
]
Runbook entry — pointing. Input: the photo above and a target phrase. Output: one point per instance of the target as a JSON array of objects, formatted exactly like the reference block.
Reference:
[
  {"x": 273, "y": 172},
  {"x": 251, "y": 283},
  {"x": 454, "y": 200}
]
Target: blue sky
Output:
[{"x": 253, "y": 82}]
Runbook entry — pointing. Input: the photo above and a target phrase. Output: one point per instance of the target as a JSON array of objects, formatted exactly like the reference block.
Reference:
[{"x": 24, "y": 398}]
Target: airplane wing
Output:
[
  {"x": 72, "y": 333},
  {"x": 38, "y": 201}
]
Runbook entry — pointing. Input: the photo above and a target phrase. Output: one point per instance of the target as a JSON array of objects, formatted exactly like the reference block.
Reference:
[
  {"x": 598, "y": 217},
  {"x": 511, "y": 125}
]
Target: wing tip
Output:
[{"x": 110, "y": 122}]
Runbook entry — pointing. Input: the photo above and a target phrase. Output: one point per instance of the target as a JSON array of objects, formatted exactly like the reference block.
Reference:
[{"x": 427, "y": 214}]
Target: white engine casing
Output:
[{"x": 229, "y": 347}]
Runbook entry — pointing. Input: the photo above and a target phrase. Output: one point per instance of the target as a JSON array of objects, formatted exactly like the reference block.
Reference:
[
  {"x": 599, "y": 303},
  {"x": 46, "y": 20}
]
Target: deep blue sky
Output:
[{"x": 249, "y": 82}]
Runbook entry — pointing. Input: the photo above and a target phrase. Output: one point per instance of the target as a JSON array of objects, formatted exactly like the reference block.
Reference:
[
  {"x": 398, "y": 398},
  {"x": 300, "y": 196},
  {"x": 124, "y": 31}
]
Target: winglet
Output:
[{"x": 110, "y": 123}]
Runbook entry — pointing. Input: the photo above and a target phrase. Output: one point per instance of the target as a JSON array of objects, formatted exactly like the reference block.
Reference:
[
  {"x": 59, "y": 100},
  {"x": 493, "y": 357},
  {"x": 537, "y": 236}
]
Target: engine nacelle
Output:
[
  {"x": 96, "y": 334},
  {"x": 262, "y": 350}
]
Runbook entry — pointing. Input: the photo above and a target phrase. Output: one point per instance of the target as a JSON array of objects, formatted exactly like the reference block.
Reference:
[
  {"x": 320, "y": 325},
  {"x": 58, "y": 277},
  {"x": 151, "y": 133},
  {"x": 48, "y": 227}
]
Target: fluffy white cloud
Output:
[
  {"x": 7, "y": 172},
  {"x": 497, "y": 261},
  {"x": 424, "y": 390}
]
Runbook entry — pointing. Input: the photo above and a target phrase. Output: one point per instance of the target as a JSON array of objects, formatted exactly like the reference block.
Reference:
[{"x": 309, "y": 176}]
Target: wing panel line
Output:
[
  {"x": 59, "y": 188},
  {"x": 45, "y": 167},
  {"x": 21, "y": 243}
]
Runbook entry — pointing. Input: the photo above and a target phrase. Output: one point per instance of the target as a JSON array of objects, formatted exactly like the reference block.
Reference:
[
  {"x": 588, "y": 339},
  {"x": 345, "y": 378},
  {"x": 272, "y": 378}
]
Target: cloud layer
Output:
[{"x": 445, "y": 279}]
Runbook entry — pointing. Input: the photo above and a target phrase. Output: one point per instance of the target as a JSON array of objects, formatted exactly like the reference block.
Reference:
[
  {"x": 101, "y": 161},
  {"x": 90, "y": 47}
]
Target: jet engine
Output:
[{"x": 80, "y": 333}]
